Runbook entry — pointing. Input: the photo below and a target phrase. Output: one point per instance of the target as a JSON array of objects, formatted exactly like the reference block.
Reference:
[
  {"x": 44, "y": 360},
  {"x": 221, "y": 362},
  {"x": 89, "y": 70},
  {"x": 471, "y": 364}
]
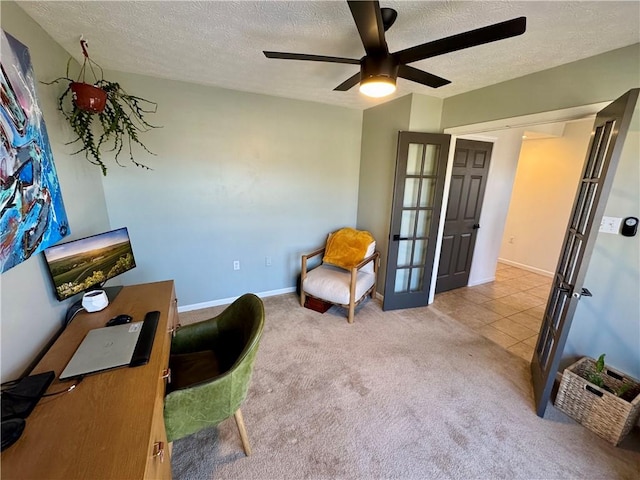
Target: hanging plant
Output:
[{"x": 102, "y": 114}]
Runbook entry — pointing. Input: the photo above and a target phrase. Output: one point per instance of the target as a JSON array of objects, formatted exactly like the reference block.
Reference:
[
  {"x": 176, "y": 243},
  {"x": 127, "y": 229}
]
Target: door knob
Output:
[
  {"x": 398, "y": 237},
  {"x": 476, "y": 226}
]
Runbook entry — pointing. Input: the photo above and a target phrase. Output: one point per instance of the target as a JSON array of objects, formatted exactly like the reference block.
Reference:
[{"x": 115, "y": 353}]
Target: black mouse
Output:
[{"x": 119, "y": 320}]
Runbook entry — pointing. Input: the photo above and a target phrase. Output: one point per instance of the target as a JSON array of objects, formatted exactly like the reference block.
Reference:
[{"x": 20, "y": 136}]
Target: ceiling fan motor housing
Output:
[{"x": 378, "y": 66}]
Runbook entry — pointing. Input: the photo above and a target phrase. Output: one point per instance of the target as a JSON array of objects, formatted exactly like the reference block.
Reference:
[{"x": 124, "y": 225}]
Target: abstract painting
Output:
[{"x": 32, "y": 214}]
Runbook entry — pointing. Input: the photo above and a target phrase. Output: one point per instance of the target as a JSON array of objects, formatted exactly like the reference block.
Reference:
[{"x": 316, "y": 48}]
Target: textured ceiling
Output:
[{"x": 220, "y": 42}]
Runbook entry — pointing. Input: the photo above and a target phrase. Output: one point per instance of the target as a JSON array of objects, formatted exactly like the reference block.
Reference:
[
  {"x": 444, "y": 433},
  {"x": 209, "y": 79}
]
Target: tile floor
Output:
[{"x": 507, "y": 311}]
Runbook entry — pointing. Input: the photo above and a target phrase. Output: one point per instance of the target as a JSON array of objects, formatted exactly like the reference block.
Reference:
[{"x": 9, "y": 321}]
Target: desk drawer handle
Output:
[
  {"x": 158, "y": 451},
  {"x": 174, "y": 329},
  {"x": 166, "y": 373}
]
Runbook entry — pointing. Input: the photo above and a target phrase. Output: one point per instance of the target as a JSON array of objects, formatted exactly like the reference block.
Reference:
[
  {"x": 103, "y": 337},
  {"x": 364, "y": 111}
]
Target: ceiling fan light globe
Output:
[{"x": 377, "y": 87}]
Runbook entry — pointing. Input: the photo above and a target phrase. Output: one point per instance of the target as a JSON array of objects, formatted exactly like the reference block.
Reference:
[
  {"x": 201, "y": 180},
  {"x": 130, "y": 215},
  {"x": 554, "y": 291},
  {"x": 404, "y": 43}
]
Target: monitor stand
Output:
[{"x": 112, "y": 292}]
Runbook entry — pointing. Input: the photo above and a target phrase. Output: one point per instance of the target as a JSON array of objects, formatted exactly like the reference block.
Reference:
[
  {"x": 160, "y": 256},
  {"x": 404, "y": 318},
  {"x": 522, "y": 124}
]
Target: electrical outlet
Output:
[
  {"x": 236, "y": 264},
  {"x": 267, "y": 261}
]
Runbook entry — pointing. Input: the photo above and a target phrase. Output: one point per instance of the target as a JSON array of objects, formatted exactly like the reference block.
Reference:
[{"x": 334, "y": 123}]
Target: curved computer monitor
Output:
[{"x": 87, "y": 263}]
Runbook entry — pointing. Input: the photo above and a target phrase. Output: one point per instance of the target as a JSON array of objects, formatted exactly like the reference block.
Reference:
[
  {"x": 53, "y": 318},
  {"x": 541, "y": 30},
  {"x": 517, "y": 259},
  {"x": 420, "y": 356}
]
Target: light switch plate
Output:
[{"x": 610, "y": 225}]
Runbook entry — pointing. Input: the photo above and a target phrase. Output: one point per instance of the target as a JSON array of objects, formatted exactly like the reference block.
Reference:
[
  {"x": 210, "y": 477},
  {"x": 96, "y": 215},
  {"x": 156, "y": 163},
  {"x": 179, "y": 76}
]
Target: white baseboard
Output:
[
  {"x": 481, "y": 281},
  {"x": 529, "y": 268},
  {"x": 227, "y": 301}
]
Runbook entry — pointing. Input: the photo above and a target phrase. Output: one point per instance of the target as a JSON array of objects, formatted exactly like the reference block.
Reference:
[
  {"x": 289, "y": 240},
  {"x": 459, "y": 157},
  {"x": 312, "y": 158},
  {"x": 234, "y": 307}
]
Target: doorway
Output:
[
  {"x": 547, "y": 175},
  {"x": 506, "y": 135},
  {"x": 471, "y": 160},
  {"x": 507, "y": 292}
]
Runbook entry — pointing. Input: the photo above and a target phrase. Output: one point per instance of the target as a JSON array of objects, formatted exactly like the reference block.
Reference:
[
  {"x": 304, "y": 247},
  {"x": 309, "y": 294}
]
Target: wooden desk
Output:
[{"x": 111, "y": 425}]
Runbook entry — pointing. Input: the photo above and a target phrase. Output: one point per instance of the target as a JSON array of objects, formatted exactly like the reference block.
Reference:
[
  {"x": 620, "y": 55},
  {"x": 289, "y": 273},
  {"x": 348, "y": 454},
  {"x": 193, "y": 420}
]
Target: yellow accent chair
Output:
[{"x": 347, "y": 273}]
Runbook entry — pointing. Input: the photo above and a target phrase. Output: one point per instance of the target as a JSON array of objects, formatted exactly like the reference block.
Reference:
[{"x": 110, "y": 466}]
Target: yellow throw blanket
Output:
[{"x": 347, "y": 247}]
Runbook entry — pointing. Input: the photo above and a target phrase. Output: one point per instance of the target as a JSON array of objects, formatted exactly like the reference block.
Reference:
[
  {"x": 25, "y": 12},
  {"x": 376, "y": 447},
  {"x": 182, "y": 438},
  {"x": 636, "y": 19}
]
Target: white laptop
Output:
[{"x": 103, "y": 349}]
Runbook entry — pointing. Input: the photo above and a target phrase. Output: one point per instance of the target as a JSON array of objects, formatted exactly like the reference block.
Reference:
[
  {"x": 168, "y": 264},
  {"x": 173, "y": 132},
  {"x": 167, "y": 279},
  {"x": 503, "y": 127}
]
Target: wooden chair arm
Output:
[
  {"x": 303, "y": 272},
  {"x": 314, "y": 253},
  {"x": 375, "y": 256}
]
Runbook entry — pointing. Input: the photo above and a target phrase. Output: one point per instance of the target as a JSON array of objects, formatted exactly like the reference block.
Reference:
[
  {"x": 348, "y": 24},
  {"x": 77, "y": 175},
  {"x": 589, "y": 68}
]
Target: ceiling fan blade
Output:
[
  {"x": 311, "y": 58},
  {"x": 348, "y": 83},
  {"x": 492, "y": 33},
  {"x": 368, "y": 19},
  {"x": 418, "y": 76}
]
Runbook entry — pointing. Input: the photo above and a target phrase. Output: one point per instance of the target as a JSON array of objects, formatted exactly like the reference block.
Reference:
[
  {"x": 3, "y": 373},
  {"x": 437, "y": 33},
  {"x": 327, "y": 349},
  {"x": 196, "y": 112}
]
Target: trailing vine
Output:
[{"x": 114, "y": 129}]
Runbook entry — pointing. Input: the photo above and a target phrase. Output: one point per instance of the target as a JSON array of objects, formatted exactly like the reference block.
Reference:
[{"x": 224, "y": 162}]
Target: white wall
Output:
[
  {"x": 609, "y": 322},
  {"x": 29, "y": 313},
  {"x": 545, "y": 185},
  {"x": 237, "y": 176},
  {"x": 502, "y": 169}
]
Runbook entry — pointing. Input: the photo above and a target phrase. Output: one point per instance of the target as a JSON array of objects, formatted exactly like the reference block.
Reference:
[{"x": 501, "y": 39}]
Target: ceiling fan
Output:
[{"x": 379, "y": 68}]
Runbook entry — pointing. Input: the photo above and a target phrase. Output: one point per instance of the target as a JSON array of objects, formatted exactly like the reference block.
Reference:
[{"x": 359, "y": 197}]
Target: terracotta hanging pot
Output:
[{"x": 88, "y": 97}]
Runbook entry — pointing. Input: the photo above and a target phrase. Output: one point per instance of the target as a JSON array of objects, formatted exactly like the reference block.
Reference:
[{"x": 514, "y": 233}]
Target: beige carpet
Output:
[{"x": 410, "y": 394}]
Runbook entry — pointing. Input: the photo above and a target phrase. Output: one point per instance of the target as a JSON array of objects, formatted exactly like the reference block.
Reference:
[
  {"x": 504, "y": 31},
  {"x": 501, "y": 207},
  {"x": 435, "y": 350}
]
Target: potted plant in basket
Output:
[
  {"x": 102, "y": 114},
  {"x": 602, "y": 399}
]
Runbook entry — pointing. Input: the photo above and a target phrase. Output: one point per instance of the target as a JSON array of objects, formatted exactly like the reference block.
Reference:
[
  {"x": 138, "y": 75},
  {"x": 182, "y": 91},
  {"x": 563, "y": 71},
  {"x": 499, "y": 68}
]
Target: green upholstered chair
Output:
[{"x": 211, "y": 364}]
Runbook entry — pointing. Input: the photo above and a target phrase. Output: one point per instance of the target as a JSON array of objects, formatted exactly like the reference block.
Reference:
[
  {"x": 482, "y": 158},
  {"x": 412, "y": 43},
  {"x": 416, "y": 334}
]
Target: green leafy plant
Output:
[
  {"x": 597, "y": 378},
  {"x": 114, "y": 128}
]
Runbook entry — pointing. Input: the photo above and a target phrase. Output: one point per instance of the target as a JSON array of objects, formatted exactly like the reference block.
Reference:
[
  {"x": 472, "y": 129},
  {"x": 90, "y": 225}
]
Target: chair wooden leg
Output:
[
  {"x": 352, "y": 309},
  {"x": 376, "y": 264},
  {"x": 352, "y": 294},
  {"x": 303, "y": 275},
  {"x": 243, "y": 432}
]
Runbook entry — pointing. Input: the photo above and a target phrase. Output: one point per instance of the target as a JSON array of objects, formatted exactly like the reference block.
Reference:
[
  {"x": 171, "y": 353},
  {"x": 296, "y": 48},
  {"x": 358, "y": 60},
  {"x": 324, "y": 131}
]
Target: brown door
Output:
[
  {"x": 417, "y": 199},
  {"x": 468, "y": 181},
  {"x": 603, "y": 154}
]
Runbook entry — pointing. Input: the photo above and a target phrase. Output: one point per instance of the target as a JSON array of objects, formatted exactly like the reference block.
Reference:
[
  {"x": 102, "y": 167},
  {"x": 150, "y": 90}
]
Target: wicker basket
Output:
[{"x": 602, "y": 412}]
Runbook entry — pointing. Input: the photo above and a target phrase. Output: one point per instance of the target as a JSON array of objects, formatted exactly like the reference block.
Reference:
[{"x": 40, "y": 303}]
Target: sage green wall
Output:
[
  {"x": 426, "y": 114},
  {"x": 380, "y": 126},
  {"x": 591, "y": 80},
  {"x": 609, "y": 322},
  {"x": 237, "y": 176},
  {"x": 29, "y": 313}
]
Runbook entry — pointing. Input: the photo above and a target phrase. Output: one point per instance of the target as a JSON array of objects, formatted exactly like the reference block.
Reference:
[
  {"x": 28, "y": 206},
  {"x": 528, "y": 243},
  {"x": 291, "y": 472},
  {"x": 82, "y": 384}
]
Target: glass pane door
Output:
[{"x": 419, "y": 184}]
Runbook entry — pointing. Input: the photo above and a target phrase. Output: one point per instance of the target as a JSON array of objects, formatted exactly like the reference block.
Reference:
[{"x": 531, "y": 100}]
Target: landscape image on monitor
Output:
[{"x": 79, "y": 265}]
